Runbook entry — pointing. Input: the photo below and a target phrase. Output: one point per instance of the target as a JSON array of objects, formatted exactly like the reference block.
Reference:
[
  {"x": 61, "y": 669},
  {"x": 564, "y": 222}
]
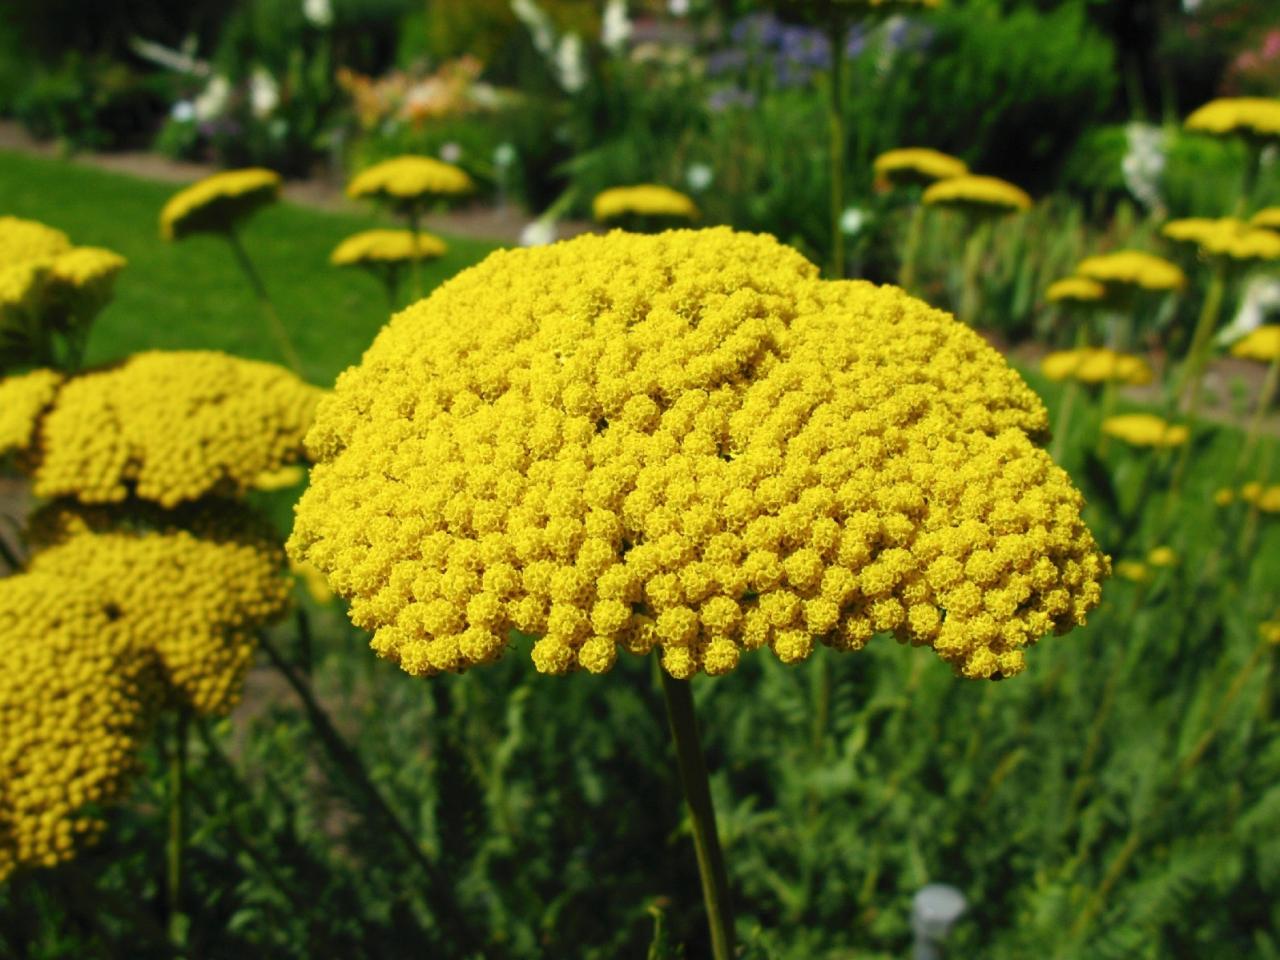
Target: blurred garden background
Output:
[{"x": 1092, "y": 186}]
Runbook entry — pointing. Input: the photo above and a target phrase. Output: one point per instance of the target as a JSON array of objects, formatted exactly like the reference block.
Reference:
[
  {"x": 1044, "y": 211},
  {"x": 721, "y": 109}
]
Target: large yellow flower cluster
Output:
[
  {"x": 28, "y": 240},
  {"x": 192, "y": 585},
  {"x": 169, "y": 427},
  {"x": 687, "y": 441},
  {"x": 643, "y": 200},
  {"x": 23, "y": 400},
  {"x": 87, "y": 267},
  {"x": 916, "y": 165},
  {"x": 1094, "y": 365},
  {"x": 1256, "y": 117},
  {"x": 1225, "y": 237},
  {"x": 386, "y": 247},
  {"x": 1133, "y": 268},
  {"x": 1145, "y": 430},
  {"x": 218, "y": 202},
  {"x": 978, "y": 194},
  {"x": 76, "y": 699},
  {"x": 1075, "y": 290},
  {"x": 21, "y": 288},
  {"x": 1262, "y": 344},
  {"x": 409, "y": 178}
]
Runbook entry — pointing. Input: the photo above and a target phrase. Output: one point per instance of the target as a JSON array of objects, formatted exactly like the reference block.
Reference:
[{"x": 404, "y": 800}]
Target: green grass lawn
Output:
[{"x": 191, "y": 294}]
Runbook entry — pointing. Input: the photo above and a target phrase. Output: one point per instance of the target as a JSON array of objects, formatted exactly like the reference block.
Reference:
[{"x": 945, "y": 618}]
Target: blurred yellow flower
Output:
[
  {"x": 22, "y": 240},
  {"x": 1268, "y": 218},
  {"x": 1134, "y": 571},
  {"x": 219, "y": 202},
  {"x": 1145, "y": 430},
  {"x": 23, "y": 399},
  {"x": 312, "y": 580},
  {"x": 409, "y": 179},
  {"x": 1075, "y": 289},
  {"x": 643, "y": 200},
  {"x": 1269, "y": 630},
  {"x": 1225, "y": 237},
  {"x": 1133, "y": 268},
  {"x": 1094, "y": 365},
  {"x": 21, "y": 288},
  {"x": 976, "y": 194},
  {"x": 688, "y": 441},
  {"x": 386, "y": 247},
  {"x": 1266, "y": 499},
  {"x": 281, "y": 479},
  {"x": 919, "y": 165},
  {"x": 1247, "y": 116},
  {"x": 1224, "y": 496},
  {"x": 1262, "y": 344},
  {"x": 1162, "y": 557}
]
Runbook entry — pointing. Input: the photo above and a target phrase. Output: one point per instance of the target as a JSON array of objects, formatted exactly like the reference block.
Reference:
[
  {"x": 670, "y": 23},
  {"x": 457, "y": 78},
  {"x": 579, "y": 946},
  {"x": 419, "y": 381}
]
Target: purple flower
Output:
[{"x": 727, "y": 98}]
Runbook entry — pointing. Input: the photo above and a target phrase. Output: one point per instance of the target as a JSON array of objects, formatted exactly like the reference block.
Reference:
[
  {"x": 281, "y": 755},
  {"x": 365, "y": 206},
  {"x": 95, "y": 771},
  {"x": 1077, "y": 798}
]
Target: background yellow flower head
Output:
[
  {"x": 688, "y": 441},
  {"x": 977, "y": 194},
  {"x": 386, "y": 247},
  {"x": 916, "y": 165},
  {"x": 1133, "y": 268},
  {"x": 218, "y": 203},
  {"x": 409, "y": 178},
  {"x": 643, "y": 200}
]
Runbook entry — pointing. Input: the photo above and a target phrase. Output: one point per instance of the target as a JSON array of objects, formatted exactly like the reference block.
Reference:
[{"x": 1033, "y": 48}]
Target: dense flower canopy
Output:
[
  {"x": 643, "y": 200},
  {"x": 1075, "y": 290},
  {"x": 917, "y": 165},
  {"x": 168, "y": 427},
  {"x": 1256, "y": 117},
  {"x": 386, "y": 247},
  {"x": 1094, "y": 365},
  {"x": 23, "y": 400},
  {"x": 1145, "y": 430},
  {"x": 219, "y": 202},
  {"x": 1260, "y": 344},
  {"x": 1226, "y": 237},
  {"x": 976, "y": 194},
  {"x": 29, "y": 240},
  {"x": 1133, "y": 268},
  {"x": 407, "y": 179},
  {"x": 688, "y": 441},
  {"x": 190, "y": 585}
]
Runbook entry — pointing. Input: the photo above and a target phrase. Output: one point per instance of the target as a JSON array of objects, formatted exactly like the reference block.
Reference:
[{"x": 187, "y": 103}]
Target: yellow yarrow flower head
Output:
[
  {"x": 409, "y": 180},
  {"x": 1075, "y": 290},
  {"x": 977, "y": 195},
  {"x": 81, "y": 282},
  {"x": 192, "y": 585},
  {"x": 1266, "y": 499},
  {"x": 279, "y": 479},
  {"x": 643, "y": 200},
  {"x": 1224, "y": 496},
  {"x": 1162, "y": 557},
  {"x": 218, "y": 203},
  {"x": 1145, "y": 430},
  {"x": 76, "y": 699},
  {"x": 22, "y": 287},
  {"x": 1135, "y": 571},
  {"x": 1252, "y": 117},
  {"x": 1226, "y": 237},
  {"x": 687, "y": 441},
  {"x": 22, "y": 240},
  {"x": 916, "y": 165},
  {"x": 1267, "y": 219},
  {"x": 1269, "y": 630},
  {"x": 1095, "y": 365},
  {"x": 1133, "y": 268},
  {"x": 386, "y": 247},
  {"x": 1262, "y": 344},
  {"x": 169, "y": 427},
  {"x": 23, "y": 400}
]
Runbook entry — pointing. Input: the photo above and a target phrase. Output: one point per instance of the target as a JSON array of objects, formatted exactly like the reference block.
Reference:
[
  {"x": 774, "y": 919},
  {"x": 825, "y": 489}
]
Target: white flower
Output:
[
  {"x": 678, "y": 8},
  {"x": 852, "y": 221},
  {"x": 1143, "y": 164},
  {"x": 698, "y": 176},
  {"x": 541, "y": 30},
  {"x": 319, "y": 13},
  {"x": 264, "y": 93},
  {"x": 570, "y": 69},
  {"x": 213, "y": 99},
  {"x": 1260, "y": 299},
  {"x": 183, "y": 111},
  {"x": 538, "y": 233},
  {"x": 450, "y": 152},
  {"x": 615, "y": 26},
  {"x": 504, "y": 155}
]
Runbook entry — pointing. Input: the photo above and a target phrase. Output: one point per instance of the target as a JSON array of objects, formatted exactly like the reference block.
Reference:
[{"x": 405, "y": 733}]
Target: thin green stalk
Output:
[
  {"x": 1069, "y": 395},
  {"x": 1265, "y": 398},
  {"x": 910, "y": 252},
  {"x": 702, "y": 816},
  {"x": 1191, "y": 376},
  {"x": 264, "y": 302},
  {"x": 174, "y": 848},
  {"x": 969, "y": 294},
  {"x": 836, "y": 123},
  {"x": 414, "y": 214}
]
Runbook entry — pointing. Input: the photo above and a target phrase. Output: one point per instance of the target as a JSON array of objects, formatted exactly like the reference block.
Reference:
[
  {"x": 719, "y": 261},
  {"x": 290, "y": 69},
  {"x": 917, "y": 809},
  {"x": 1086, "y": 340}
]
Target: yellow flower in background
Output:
[
  {"x": 1224, "y": 496},
  {"x": 191, "y": 585},
  {"x": 407, "y": 179},
  {"x": 22, "y": 240},
  {"x": 1269, "y": 630},
  {"x": 1145, "y": 430},
  {"x": 976, "y": 194},
  {"x": 1133, "y": 268},
  {"x": 386, "y": 247},
  {"x": 908, "y": 165},
  {"x": 281, "y": 479},
  {"x": 1094, "y": 365},
  {"x": 688, "y": 441},
  {"x": 312, "y": 580},
  {"x": 1162, "y": 557},
  {"x": 1255, "y": 117},
  {"x": 219, "y": 202},
  {"x": 76, "y": 700},
  {"x": 643, "y": 200},
  {"x": 169, "y": 427},
  {"x": 1075, "y": 290},
  {"x": 1262, "y": 344},
  {"x": 1225, "y": 237},
  {"x": 1268, "y": 218},
  {"x": 23, "y": 399},
  {"x": 1266, "y": 499},
  {"x": 1135, "y": 571}
]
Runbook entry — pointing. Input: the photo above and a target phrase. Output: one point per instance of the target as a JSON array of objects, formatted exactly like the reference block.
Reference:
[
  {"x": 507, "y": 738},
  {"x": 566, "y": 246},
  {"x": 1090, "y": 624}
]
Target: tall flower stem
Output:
[
  {"x": 702, "y": 815},
  {"x": 836, "y": 124},
  {"x": 414, "y": 215},
  {"x": 264, "y": 302},
  {"x": 1265, "y": 398},
  {"x": 176, "y": 842},
  {"x": 1191, "y": 377},
  {"x": 973, "y": 247},
  {"x": 911, "y": 252}
]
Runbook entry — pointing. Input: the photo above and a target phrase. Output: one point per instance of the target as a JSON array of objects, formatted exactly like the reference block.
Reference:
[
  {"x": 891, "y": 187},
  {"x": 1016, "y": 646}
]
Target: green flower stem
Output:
[
  {"x": 911, "y": 251},
  {"x": 702, "y": 816},
  {"x": 174, "y": 848},
  {"x": 1069, "y": 396},
  {"x": 1249, "y": 176},
  {"x": 1191, "y": 376},
  {"x": 414, "y": 215},
  {"x": 1265, "y": 398},
  {"x": 836, "y": 123},
  {"x": 440, "y": 892},
  {"x": 969, "y": 293},
  {"x": 264, "y": 301}
]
